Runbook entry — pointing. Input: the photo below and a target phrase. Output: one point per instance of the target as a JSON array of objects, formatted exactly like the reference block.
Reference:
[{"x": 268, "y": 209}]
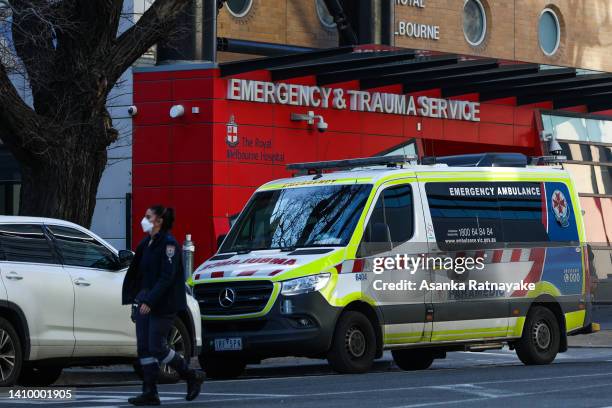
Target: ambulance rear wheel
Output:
[
  {"x": 410, "y": 360},
  {"x": 354, "y": 344},
  {"x": 222, "y": 367},
  {"x": 541, "y": 337}
]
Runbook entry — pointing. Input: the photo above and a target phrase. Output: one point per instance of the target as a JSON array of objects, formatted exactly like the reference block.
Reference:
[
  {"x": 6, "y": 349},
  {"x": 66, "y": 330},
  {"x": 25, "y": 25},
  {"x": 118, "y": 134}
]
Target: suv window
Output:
[
  {"x": 391, "y": 223},
  {"x": 25, "y": 243},
  {"x": 80, "y": 249}
]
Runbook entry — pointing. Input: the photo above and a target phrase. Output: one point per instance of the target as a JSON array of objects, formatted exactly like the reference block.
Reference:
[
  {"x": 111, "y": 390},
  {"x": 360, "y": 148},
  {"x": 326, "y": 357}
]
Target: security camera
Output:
[
  {"x": 310, "y": 118},
  {"x": 555, "y": 148},
  {"x": 176, "y": 111},
  {"x": 132, "y": 110},
  {"x": 322, "y": 125}
]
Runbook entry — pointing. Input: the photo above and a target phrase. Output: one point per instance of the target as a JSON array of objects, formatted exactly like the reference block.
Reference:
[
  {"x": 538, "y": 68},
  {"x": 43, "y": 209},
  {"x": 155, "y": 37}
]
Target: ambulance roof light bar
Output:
[
  {"x": 479, "y": 160},
  {"x": 548, "y": 160},
  {"x": 318, "y": 167}
]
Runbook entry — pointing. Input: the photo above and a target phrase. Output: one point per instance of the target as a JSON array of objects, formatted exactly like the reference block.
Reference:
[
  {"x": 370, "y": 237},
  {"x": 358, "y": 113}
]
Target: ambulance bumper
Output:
[{"x": 301, "y": 325}]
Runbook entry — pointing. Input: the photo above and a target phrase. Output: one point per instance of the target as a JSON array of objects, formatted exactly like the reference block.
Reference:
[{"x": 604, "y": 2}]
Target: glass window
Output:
[
  {"x": 474, "y": 22},
  {"x": 464, "y": 215},
  {"x": 576, "y": 128},
  {"x": 80, "y": 249},
  {"x": 391, "y": 222},
  {"x": 298, "y": 217},
  {"x": 521, "y": 213},
  {"x": 599, "y": 131},
  {"x": 25, "y": 243},
  {"x": 406, "y": 149},
  {"x": 239, "y": 8},
  {"x": 325, "y": 16},
  {"x": 549, "y": 32}
]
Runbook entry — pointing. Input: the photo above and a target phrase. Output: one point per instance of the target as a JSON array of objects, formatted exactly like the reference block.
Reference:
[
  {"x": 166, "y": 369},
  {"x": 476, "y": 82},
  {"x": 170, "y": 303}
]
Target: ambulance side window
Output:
[
  {"x": 522, "y": 219},
  {"x": 391, "y": 222},
  {"x": 465, "y": 215}
]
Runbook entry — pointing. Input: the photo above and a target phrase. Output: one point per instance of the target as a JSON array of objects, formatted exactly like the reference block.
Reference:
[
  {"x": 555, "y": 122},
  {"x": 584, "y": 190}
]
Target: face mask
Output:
[{"x": 147, "y": 225}]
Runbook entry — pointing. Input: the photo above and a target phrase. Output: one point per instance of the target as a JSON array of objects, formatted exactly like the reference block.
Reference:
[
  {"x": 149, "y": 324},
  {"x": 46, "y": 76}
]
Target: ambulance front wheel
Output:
[
  {"x": 541, "y": 337},
  {"x": 222, "y": 367},
  {"x": 354, "y": 344},
  {"x": 410, "y": 360}
]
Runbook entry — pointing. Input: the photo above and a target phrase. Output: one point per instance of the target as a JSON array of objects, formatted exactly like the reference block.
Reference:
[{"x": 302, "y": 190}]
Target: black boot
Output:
[
  {"x": 149, "y": 396},
  {"x": 193, "y": 378},
  {"x": 194, "y": 384}
]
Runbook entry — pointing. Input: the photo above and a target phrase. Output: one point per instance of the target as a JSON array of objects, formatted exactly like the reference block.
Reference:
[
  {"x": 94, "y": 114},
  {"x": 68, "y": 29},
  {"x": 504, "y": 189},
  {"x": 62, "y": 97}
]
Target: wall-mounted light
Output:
[
  {"x": 310, "y": 118},
  {"x": 177, "y": 111},
  {"x": 549, "y": 136}
]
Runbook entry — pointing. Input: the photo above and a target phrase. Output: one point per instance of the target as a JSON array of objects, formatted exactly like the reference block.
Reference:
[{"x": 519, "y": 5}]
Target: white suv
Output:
[{"x": 60, "y": 303}]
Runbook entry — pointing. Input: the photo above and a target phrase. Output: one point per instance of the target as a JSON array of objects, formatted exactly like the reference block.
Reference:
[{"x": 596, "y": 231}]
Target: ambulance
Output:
[{"x": 347, "y": 259}]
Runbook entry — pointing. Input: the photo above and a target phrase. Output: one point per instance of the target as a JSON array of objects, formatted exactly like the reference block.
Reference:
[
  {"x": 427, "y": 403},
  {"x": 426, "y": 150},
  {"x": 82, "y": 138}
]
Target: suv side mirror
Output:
[{"x": 125, "y": 258}]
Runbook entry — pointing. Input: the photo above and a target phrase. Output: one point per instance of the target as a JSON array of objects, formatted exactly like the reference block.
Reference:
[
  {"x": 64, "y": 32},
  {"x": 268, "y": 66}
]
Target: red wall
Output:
[{"x": 183, "y": 162}]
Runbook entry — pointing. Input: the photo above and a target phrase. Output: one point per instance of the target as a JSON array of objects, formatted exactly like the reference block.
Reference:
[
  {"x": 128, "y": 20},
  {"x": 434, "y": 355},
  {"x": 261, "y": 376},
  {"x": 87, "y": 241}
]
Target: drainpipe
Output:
[
  {"x": 211, "y": 11},
  {"x": 345, "y": 31}
]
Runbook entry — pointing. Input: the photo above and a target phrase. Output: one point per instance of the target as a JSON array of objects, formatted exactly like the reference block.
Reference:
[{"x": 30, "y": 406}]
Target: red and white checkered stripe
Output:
[
  {"x": 229, "y": 274},
  {"x": 351, "y": 266},
  {"x": 490, "y": 257}
]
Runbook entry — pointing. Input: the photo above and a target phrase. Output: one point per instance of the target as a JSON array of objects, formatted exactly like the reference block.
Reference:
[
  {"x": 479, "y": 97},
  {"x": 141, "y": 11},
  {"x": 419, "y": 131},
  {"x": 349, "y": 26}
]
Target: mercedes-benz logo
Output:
[{"x": 227, "y": 297}]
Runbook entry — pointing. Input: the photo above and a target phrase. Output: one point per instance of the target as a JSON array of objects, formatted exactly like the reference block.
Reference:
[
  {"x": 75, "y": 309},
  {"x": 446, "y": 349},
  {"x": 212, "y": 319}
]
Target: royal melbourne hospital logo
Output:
[{"x": 232, "y": 133}]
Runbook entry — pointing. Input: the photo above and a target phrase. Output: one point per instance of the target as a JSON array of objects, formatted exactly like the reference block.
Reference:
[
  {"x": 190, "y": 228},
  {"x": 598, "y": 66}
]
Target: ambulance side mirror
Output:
[{"x": 220, "y": 240}]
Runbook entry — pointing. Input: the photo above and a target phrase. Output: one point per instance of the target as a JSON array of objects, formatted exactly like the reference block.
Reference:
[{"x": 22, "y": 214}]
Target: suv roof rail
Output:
[
  {"x": 480, "y": 160},
  {"x": 318, "y": 167}
]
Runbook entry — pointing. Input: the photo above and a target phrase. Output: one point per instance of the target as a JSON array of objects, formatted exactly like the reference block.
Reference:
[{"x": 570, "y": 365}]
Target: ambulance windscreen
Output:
[{"x": 301, "y": 217}]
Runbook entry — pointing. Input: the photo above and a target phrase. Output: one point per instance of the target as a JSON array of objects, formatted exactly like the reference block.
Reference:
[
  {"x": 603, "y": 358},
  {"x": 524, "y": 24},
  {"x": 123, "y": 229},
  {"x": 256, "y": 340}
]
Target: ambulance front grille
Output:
[{"x": 248, "y": 297}]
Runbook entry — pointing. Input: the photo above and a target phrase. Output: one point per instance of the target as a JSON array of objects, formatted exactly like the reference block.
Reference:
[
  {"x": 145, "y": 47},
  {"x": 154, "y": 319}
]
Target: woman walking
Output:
[{"x": 155, "y": 286}]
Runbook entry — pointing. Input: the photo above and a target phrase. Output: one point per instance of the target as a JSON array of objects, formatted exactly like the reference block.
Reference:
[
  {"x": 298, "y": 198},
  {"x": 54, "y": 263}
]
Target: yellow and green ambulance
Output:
[{"x": 350, "y": 258}]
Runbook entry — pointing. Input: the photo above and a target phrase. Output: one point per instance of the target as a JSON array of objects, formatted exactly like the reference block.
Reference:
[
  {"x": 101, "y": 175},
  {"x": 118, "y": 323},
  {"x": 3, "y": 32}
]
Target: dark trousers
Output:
[
  {"x": 151, "y": 337},
  {"x": 152, "y": 345}
]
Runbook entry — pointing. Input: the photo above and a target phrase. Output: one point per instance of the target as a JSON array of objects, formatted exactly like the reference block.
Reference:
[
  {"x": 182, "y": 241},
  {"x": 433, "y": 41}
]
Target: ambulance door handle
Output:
[
  {"x": 81, "y": 282},
  {"x": 14, "y": 276}
]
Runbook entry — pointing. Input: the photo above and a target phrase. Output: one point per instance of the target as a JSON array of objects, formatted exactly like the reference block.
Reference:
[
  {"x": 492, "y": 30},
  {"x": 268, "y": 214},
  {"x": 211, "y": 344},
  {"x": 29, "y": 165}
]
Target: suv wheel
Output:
[
  {"x": 178, "y": 340},
  {"x": 219, "y": 366},
  {"x": 541, "y": 337},
  {"x": 354, "y": 345},
  {"x": 39, "y": 376},
  {"x": 11, "y": 357},
  {"x": 410, "y": 360}
]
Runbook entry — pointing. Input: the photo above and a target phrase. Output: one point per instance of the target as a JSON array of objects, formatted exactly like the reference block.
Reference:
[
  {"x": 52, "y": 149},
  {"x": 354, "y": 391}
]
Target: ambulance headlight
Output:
[{"x": 306, "y": 284}]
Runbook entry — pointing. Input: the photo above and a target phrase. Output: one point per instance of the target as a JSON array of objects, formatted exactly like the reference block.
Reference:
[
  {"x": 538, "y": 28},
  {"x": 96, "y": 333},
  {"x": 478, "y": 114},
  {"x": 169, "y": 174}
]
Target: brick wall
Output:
[
  {"x": 586, "y": 30},
  {"x": 279, "y": 21}
]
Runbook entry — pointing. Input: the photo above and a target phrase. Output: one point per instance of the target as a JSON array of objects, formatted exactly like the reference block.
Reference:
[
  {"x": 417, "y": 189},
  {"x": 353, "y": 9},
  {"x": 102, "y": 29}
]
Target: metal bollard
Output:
[{"x": 188, "y": 251}]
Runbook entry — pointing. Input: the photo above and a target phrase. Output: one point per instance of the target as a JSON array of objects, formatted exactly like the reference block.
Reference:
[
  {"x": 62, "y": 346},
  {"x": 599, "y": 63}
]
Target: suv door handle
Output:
[
  {"x": 13, "y": 276},
  {"x": 81, "y": 282}
]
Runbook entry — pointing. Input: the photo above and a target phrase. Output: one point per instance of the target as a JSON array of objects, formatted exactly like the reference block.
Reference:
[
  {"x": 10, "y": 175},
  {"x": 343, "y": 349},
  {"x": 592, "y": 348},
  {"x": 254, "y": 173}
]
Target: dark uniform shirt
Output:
[{"x": 157, "y": 269}]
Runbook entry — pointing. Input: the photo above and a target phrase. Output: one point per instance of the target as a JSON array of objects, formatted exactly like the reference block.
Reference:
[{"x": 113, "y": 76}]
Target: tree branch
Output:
[
  {"x": 99, "y": 20},
  {"x": 153, "y": 26},
  {"x": 19, "y": 124},
  {"x": 33, "y": 36}
]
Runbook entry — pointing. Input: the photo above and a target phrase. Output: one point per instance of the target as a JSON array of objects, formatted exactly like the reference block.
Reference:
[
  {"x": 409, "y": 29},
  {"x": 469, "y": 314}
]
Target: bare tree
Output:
[{"x": 71, "y": 54}]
